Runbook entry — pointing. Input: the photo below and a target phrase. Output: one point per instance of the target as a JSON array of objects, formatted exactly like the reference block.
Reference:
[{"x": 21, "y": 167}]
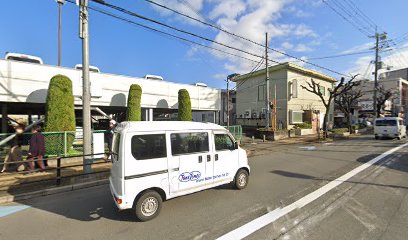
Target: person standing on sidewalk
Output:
[
  {"x": 37, "y": 149},
  {"x": 109, "y": 138},
  {"x": 15, "y": 153}
]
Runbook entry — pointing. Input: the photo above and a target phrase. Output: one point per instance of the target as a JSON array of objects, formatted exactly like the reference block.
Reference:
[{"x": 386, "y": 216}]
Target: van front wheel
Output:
[
  {"x": 148, "y": 206},
  {"x": 241, "y": 179}
]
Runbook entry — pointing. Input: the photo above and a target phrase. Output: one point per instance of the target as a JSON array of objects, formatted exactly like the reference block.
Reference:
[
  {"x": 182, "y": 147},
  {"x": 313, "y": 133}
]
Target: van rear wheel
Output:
[
  {"x": 148, "y": 206},
  {"x": 241, "y": 179}
]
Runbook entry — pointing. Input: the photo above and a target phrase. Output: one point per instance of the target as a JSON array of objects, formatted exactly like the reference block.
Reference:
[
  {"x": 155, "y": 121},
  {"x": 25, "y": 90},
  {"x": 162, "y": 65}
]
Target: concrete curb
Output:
[{"x": 51, "y": 191}]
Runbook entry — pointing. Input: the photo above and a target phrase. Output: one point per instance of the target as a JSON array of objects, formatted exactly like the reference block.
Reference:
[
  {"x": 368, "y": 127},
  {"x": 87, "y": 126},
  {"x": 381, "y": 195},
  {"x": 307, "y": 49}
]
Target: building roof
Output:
[
  {"x": 148, "y": 126},
  {"x": 288, "y": 66}
]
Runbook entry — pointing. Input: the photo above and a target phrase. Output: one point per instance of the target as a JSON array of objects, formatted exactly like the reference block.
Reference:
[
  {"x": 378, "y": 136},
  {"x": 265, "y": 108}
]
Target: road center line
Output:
[{"x": 272, "y": 216}]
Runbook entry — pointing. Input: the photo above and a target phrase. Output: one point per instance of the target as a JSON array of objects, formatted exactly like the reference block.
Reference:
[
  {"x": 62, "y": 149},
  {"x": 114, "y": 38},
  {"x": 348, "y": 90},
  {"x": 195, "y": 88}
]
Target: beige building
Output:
[{"x": 294, "y": 104}]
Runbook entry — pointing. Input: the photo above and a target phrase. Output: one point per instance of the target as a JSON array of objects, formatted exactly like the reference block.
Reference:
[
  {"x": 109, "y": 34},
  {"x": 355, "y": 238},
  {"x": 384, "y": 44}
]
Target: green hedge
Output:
[
  {"x": 305, "y": 125},
  {"x": 184, "y": 106},
  {"x": 59, "y": 113},
  {"x": 134, "y": 109},
  {"x": 339, "y": 130}
]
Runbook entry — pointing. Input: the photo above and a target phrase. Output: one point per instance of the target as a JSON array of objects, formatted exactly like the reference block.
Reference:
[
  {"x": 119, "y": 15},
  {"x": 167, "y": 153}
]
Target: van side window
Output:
[
  {"x": 187, "y": 143},
  {"x": 223, "y": 142},
  {"x": 149, "y": 146}
]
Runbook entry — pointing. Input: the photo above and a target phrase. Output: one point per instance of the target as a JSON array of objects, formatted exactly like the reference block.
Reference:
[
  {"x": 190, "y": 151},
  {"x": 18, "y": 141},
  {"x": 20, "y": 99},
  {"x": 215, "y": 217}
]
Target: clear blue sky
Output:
[{"x": 304, "y": 28}]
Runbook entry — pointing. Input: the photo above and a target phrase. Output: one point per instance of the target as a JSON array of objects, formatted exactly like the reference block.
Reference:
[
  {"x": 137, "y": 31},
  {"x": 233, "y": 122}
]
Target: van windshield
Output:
[{"x": 386, "y": 123}]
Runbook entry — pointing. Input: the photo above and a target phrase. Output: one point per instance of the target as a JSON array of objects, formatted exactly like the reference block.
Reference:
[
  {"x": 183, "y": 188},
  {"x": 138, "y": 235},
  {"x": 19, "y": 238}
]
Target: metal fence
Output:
[
  {"x": 236, "y": 131},
  {"x": 56, "y": 143}
]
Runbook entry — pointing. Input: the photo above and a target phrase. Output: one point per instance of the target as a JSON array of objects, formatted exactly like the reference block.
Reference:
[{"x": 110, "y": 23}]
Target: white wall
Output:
[{"x": 27, "y": 82}]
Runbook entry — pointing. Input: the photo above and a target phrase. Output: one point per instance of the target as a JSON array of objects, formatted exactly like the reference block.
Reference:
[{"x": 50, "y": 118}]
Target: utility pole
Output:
[
  {"x": 267, "y": 82},
  {"x": 86, "y": 94},
  {"x": 228, "y": 112},
  {"x": 378, "y": 37},
  {"x": 229, "y": 77},
  {"x": 60, "y": 3}
]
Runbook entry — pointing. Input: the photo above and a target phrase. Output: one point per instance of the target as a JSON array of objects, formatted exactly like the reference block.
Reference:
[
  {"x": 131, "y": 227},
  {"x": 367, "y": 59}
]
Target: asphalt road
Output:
[{"x": 371, "y": 205}]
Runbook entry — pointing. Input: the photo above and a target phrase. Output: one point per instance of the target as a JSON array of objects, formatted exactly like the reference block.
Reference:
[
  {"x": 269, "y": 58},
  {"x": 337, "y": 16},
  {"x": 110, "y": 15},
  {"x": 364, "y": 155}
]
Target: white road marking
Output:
[
  {"x": 11, "y": 209},
  {"x": 310, "y": 148},
  {"x": 272, "y": 216}
]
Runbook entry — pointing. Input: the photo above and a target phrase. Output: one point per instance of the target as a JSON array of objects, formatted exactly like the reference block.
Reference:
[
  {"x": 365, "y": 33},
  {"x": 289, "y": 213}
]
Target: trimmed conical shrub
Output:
[
  {"x": 134, "y": 109},
  {"x": 59, "y": 115},
  {"x": 184, "y": 106}
]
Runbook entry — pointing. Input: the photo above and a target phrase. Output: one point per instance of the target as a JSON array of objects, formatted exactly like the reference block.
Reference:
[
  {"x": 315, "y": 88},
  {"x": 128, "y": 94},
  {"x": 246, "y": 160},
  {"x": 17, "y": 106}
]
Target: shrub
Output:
[
  {"x": 134, "y": 109},
  {"x": 305, "y": 125},
  {"x": 339, "y": 130},
  {"x": 59, "y": 114},
  {"x": 184, "y": 106}
]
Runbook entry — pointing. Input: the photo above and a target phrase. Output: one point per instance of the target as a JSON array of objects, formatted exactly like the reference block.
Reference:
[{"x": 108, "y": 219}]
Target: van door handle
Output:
[
  {"x": 208, "y": 158},
  {"x": 200, "y": 159},
  {"x": 216, "y": 157}
]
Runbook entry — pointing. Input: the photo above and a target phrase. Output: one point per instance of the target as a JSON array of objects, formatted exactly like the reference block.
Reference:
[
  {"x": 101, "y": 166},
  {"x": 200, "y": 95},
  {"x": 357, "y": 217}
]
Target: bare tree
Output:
[
  {"x": 340, "y": 88},
  {"x": 382, "y": 96},
  {"x": 346, "y": 101}
]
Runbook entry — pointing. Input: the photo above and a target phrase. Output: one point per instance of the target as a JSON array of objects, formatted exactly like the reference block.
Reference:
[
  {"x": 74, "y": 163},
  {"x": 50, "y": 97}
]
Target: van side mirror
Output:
[{"x": 235, "y": 145}]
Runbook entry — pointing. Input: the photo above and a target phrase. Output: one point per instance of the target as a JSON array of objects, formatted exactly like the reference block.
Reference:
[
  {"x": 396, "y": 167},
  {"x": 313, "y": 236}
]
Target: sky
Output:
[{"x": 306, "y": 29}]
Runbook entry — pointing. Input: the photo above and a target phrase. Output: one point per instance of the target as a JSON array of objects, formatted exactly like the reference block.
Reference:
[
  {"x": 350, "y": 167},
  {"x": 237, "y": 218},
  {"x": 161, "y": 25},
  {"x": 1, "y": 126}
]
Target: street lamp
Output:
[
  {"x": 60, "y": 3},
  {"x": 229, "y": 77}
]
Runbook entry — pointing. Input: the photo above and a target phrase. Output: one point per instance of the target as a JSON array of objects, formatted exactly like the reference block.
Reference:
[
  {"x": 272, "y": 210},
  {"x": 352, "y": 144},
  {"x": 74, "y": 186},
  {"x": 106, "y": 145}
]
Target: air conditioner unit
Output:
[{"x": 248, "y": 113}]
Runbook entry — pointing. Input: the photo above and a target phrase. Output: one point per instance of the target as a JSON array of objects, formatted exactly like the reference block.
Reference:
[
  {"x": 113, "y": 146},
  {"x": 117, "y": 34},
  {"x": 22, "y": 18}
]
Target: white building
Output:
[{"x": 23, "y": 90}]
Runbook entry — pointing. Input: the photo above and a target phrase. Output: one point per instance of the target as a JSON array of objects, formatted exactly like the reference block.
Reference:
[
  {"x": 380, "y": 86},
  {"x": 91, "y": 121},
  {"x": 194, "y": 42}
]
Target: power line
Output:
[
  {"x": 250, "y": 73},
  {"x": 165, "y": 33},
  {"x": 363, "y": 31},
  {"x": 120, "y": 9},
  {"x": 354, "y": 15},
  {"x": 233, "y": 34},
  {"x": 340, "y": 55},
  {"x": 360, "y": 13}
]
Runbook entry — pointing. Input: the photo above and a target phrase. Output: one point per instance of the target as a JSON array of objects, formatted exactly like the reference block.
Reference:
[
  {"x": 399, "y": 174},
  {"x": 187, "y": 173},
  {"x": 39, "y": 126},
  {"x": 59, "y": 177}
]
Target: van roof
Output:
[{"x": 147, "y": 126}]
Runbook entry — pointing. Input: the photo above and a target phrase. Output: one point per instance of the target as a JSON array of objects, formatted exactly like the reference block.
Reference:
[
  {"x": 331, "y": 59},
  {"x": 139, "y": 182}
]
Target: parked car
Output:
[
  {"x": 156, "y": 161},
  {"x": 389, "y": 127}
]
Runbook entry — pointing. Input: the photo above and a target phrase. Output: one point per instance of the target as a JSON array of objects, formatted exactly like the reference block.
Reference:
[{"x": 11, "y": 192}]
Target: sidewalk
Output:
[{"x": 19, "y": 183}]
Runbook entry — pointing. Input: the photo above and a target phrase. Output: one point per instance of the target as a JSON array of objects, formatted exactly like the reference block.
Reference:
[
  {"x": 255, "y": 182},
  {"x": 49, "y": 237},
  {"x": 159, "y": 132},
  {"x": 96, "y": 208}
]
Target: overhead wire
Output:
[
  {"x": 243, "y": 38},
  {"x": 166, "y": 33},
  {"x": 120, "y": 9}
]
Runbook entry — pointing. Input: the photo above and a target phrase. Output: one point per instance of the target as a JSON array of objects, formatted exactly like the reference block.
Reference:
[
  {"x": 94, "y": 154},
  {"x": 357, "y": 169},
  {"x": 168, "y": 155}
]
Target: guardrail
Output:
[
  {"x": 58, "y": 169},
  {"x": 236, "y": 131},
  {"x": 67, "y": 143}
]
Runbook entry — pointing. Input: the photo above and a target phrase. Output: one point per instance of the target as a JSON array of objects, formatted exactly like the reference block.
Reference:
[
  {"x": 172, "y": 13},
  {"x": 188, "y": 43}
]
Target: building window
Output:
[
  {"x": 293, "y": 89},
  {"x": 233, "y": 100},
  {"x": 261, "y": 93},
  {"x": 188, "y": 143},
  {"x": 149, "y": 146},
  {"x": 322, "y": 90},
  {"x": 296, "y": 117}
]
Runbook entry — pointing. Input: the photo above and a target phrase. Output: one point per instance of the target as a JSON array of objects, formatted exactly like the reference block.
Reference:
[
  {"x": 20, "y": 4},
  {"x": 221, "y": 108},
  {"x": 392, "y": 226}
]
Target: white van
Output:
[
  {"x": 155, "y": 161},
  {"x": 390, "y": 127}
]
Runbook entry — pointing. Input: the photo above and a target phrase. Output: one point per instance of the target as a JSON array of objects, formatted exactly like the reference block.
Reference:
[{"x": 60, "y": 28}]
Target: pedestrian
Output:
[
  {"x": 14, "y": 156},
  {"x": 37, "y": 149},
  {"x": 109, "y": 137}
]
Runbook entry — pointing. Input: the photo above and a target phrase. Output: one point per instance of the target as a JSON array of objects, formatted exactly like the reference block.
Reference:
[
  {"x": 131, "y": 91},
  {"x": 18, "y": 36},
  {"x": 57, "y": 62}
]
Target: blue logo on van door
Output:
[{"x": 189, "y": 176}]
